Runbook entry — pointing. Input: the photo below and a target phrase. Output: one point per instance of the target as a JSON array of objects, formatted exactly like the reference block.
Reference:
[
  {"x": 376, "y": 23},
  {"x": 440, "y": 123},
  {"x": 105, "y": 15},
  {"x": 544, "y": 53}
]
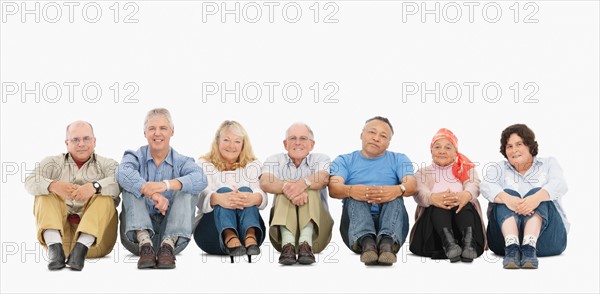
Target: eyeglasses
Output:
[
  {"x": 77, "y": 140},
  {"x": 302, "y": 139}
]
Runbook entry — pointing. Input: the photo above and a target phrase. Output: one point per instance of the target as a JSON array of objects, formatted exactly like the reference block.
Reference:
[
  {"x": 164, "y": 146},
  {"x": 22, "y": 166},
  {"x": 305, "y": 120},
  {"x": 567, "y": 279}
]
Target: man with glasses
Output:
[
  {"x": 372, "y": 183},
  {"x": 75, "y": 199},
  {"x": 160, "y": 191},
  {"x": 300, "y": 220}
]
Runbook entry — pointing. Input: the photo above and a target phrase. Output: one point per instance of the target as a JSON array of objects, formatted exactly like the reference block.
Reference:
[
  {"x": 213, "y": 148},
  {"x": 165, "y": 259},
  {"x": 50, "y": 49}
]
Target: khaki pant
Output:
[
  {"x": 99, "y": 219},
  {"x": 294, "y": 218}
]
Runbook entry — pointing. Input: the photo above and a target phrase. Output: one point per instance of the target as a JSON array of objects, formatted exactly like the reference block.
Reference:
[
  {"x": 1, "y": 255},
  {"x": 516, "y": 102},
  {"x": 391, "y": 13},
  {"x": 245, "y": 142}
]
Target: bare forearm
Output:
[{"x": 270, "y": 184}]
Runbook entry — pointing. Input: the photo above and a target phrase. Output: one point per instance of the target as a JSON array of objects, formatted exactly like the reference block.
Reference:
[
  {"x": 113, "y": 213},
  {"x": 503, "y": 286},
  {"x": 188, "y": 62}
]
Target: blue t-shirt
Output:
[{"x": 386, "y": 170}]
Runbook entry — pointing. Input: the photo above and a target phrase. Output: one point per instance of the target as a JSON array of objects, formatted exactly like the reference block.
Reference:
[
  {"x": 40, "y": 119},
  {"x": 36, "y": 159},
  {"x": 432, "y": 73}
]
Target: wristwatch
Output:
[
  {"x": 97, "y": 186},
  {"x": 403, "y": 189},
  {"x": 307, "y": 182}
]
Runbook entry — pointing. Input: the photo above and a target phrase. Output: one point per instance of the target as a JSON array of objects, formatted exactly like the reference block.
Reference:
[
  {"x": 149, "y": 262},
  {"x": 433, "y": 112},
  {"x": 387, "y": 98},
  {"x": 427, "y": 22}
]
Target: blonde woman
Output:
[{"x": 228, "y": 219}]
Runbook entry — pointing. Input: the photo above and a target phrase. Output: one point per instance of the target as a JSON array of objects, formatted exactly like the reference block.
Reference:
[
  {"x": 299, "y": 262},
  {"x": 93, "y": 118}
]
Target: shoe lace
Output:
[
  {"x": 289, "y": 249},
  {"x": 165, "y": 250},
  {"x": 305, "y": 247},
  {"x": 146, "y": 250}
]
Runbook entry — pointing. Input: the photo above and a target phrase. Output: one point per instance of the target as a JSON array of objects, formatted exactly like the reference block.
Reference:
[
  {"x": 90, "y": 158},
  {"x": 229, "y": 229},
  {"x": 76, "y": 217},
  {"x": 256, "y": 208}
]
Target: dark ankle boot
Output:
[
  {"x": 451, "y": 249},
  {"x": 369, "y": 254},
  {"x": 468, "y": 250},
  {"x": 386, "y": 251}
]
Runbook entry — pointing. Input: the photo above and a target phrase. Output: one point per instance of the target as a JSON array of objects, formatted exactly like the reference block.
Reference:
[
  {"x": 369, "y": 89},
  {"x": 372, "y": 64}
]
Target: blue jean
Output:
[
  {"x": 209, "y": 231},
  {"x": 357, "y": 222},
  {"x": 553, "y": 235},
  {"x": 177, "y": 221}
]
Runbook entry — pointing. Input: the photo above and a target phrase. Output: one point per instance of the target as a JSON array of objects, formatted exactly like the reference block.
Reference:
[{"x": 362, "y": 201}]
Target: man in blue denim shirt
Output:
[{"x": 160, "y": 191}]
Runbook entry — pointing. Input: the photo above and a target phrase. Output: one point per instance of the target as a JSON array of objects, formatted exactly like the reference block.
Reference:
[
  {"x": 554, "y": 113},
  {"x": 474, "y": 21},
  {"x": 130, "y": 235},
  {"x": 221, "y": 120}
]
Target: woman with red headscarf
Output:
[{"x": 448, "y": 218}]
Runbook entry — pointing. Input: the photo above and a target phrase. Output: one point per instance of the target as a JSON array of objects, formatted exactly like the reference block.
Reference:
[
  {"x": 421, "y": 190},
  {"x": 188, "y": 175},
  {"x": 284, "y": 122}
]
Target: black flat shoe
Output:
[
  {"x": 76, "y": 259},
  {"x": 56, "y": 256}
]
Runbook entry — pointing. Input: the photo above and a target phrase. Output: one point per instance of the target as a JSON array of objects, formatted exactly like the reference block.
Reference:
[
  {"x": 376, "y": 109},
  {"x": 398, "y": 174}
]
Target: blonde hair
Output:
[{"x": 246, "y": 155}]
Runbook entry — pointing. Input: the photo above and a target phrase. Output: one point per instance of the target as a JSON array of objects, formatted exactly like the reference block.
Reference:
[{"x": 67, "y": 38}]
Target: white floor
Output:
[{"x": 337, "y": 270}]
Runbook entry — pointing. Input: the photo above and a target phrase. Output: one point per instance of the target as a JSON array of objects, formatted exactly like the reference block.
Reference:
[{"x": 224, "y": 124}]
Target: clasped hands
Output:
[
  {"x": 295, "y": 192},
  {"x": 448, "y": 199},
  {"x": 69, "y": 191},
  {"x": 374, "y": 194},
  {"x": 153, "y": 191},
  {"x": 235, "y": 199},
  {"x": 523, "y": 206}
]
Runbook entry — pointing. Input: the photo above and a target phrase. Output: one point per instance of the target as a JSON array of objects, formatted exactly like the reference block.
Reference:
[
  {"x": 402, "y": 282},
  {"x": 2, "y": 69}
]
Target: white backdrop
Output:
[{"x": 477, "y": 68}]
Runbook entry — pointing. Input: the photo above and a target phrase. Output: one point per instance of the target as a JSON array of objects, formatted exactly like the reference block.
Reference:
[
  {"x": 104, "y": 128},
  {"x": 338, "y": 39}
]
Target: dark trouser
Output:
[{"x": 427, "y": 238}]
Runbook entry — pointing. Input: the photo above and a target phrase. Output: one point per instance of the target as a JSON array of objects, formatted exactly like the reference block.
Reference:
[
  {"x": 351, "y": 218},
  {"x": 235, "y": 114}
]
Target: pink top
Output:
[{"x": 445, "y": 179}]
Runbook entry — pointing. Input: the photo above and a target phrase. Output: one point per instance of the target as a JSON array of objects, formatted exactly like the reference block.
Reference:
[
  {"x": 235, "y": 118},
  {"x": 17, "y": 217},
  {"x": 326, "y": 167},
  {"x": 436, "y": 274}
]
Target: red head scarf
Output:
[{"x": 462, "y": 165}]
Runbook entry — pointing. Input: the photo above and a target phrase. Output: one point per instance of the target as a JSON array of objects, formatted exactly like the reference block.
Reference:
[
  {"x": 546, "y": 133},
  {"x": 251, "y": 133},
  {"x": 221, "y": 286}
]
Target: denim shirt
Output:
[
  {"x": 138, "y": 167},
  {"x": 544, "y": 173}
]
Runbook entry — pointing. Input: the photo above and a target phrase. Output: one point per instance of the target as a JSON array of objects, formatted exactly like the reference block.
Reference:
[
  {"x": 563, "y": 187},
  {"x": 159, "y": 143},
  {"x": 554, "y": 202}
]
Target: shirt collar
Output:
[
  {"x": 68, "y": 158},
  {"x": 536, "y": 162},
  {"x": 291, "y": 162},
  {"x": 168, "y": 159}
]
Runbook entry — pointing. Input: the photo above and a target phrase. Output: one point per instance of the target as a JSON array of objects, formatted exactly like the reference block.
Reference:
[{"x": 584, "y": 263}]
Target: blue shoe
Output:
[
  {"x": 511, "y": 257},
  {"x": 529, "y": 258}
]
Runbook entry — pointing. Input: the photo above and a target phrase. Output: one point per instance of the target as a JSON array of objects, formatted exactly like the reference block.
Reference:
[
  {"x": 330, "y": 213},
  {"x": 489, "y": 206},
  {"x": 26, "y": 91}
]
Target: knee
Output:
[
  {"x": 183, "y": 195},
  {"x": 352, "y": 203},
  {"x": 48, "y": 199},
  {"x": 103, "y": 201},
  {"x": 397, "y": 201},
  {"x": 532, "y": 191},
  {"x": 251, "y": 209},
  {"x": 512, "y": 192},
  {"x": 241, "y": 189},
  {"x": 218, "y": 209},
  {"x": 227, "y": 190}
]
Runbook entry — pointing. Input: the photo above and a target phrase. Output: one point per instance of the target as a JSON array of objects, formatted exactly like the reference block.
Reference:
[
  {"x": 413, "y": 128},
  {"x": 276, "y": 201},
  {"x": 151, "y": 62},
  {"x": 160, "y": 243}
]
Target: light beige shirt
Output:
[{"x": 63, "y": 168}]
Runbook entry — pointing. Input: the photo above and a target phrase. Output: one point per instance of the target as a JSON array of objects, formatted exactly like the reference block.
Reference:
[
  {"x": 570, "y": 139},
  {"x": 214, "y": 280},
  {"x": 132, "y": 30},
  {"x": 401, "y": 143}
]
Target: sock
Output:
[
  {"x": 286, "y": 236},
  {"x": 511, "y": 239},
  {"x": 306, "y": 234},
  {"x": 51, "y": 237},
  {"x": 86, "y": 239},
  {"x": 530, "y": 240},
  {"x": 143, "y": 237},
  {"x": 171, "y": 241}
]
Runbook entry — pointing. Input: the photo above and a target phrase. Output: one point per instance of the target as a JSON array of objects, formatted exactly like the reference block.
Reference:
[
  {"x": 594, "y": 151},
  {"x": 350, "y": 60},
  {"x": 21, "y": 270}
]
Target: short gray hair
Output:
[
  {"x": 158, "y": 112},
  {"x": 310, "y": 132}
]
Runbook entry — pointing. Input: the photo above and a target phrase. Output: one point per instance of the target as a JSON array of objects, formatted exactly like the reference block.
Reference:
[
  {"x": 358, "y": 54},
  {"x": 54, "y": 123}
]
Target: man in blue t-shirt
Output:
[{"x": 372, "y": 182}]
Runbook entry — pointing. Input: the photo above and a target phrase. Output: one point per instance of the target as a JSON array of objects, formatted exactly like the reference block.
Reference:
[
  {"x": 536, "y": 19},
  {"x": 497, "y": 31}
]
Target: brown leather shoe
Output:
[
  {"x": 305, "y": 254},
  {"x": 288, "y": 254},
  {"x": 166, "y": 258},
  {"x": 147, "y": 257}
]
